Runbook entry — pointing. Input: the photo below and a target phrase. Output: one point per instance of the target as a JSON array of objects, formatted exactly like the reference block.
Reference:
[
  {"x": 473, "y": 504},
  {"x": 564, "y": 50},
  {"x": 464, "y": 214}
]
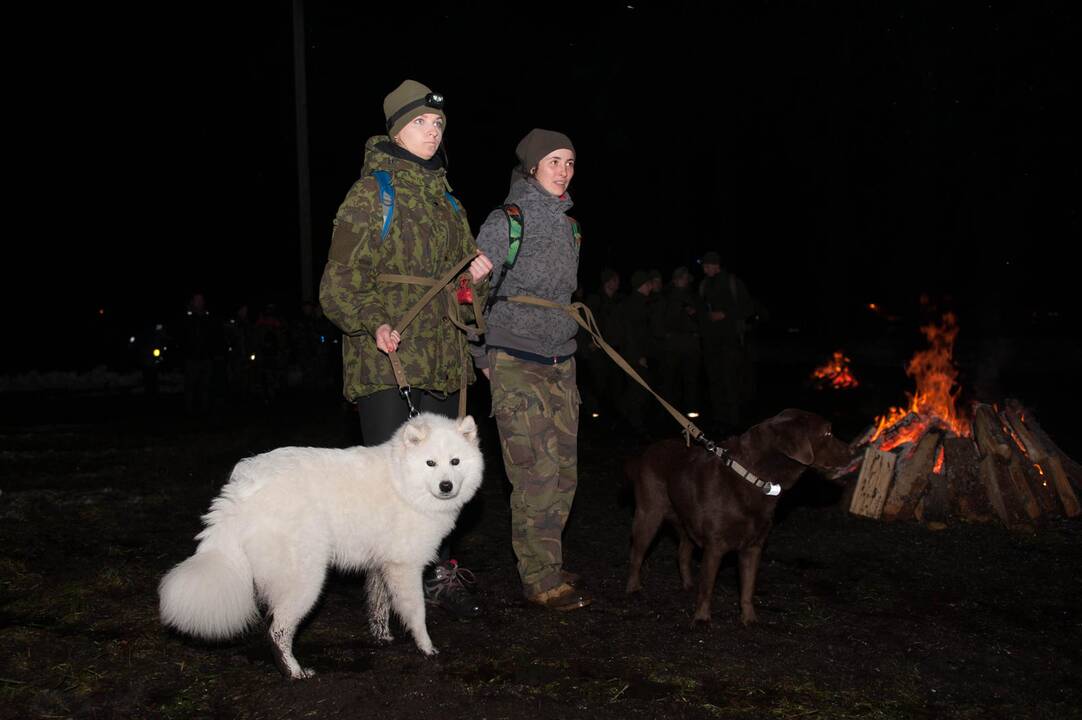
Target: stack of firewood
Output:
[{"x": 1009, "y": 470}]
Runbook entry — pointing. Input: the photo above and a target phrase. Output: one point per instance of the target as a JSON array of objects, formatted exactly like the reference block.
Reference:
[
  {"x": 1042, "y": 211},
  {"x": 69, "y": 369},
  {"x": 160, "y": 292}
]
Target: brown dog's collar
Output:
[{"x": 766, "y": 486}]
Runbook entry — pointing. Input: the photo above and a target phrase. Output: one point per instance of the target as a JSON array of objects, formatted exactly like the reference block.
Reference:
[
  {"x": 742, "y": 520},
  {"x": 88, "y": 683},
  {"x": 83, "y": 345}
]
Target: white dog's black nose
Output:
[{"x": 446, "y": 486}]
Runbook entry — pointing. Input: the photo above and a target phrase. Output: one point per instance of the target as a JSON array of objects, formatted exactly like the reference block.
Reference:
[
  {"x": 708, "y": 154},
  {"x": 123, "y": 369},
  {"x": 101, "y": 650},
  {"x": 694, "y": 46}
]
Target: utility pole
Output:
[{"x": 304, "y": 185}]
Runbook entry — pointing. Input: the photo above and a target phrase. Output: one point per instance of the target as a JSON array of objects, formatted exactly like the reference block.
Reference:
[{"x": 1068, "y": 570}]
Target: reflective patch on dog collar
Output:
[{"x": 767, "y": 487}]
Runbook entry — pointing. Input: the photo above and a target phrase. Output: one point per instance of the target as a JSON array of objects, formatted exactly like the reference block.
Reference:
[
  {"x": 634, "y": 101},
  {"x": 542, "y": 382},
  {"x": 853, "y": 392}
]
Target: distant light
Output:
[
  {"x": 101, "y": 311},
  {"x": 693, "y": 414},
  {"x": 156, "y": 352},
  {"x": 158, "y": 326},
  {"x": 252, "y": 356},
  {"x": 323, "y": 338},
  {"x": 595, "y": 415},
  {"x": 131, "y": 339}
]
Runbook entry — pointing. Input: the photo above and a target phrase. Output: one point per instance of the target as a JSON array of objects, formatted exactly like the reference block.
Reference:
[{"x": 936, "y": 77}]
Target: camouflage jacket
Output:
[{"x": 427, "y": 236}]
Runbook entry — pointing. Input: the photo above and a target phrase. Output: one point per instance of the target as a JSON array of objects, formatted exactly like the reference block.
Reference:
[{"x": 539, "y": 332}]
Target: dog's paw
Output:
[
  {"x": 425, "y": 645},
  {"x": 303, "y": 674},
  {"x": 701, "y": 623}
]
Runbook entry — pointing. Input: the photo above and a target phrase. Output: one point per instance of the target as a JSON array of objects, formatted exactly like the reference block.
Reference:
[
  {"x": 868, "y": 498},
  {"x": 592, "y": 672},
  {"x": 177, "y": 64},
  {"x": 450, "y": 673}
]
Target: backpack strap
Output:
[
  {"x": 576, "y": 230},
  {"x": 514, "y": 242},
  {"x": 386, "y": 199},
  {"x": 454, "y": 203},
  {"x": 514, "y": 234}
]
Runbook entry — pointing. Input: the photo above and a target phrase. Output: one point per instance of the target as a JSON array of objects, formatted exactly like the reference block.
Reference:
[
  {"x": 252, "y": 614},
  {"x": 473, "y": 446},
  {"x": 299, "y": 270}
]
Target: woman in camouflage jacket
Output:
[
  {"x": 424, "y": 234},
  {"x": 428, "y": 233}
]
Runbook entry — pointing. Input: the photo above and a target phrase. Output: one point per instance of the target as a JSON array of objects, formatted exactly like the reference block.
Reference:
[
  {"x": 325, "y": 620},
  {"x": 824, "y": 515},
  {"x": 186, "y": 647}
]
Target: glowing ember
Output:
[
  {"x": 933, "y": 403},
  {"x": 938, "y": 461},
  {"x": 1017, "y": 440},
  {"x": 836, "y": 372}
]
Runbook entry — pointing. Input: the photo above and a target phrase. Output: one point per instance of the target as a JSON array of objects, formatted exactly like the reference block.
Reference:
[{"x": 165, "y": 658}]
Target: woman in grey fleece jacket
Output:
[{"x": 528, "y": 357}]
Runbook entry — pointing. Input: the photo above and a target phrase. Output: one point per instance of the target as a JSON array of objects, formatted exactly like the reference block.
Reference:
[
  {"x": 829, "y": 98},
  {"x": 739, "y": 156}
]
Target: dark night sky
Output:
[{"x": 835, "y": 154}]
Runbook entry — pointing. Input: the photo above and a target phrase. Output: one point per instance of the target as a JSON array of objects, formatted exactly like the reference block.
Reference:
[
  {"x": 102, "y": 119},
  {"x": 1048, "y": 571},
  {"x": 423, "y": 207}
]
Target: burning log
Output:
[
  {"x": 1013, "y": 417},
  {"x": 989, "y": 433},
  {"x": 876, "y": 473},
  {"x": 1063, "y": 487},
  {"x": 1070, "y": 469},
  {"x": 995, "y": 475},
  {"x": 969, "y": 501},
  {"x": 911, "y": 478},
  {"x": 1043, "y": 454},
  {"x": 1022, "y": 488}
]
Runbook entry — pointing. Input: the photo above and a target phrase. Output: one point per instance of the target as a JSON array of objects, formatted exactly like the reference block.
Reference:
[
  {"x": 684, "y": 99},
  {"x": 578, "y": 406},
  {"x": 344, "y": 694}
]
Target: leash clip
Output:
[{"x": 404, "y": 391}]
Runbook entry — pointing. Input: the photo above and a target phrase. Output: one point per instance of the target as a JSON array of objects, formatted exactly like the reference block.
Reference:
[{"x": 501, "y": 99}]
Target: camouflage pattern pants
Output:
[{"x": 537, "y": 413}]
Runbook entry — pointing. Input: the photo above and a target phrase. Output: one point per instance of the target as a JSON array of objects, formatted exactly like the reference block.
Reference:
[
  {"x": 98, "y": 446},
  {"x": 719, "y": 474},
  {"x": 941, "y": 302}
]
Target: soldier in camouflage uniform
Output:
[
  {"x": 428, "y": 234},
  {"x": 529, "y": 358}
]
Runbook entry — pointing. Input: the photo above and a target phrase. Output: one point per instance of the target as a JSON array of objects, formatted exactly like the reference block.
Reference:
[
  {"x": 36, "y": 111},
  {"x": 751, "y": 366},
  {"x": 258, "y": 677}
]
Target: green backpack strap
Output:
[
  {"x": 514, "y": 242},
  {"x": 514, "y": 235},
  {"x": 576, "y": 230}
]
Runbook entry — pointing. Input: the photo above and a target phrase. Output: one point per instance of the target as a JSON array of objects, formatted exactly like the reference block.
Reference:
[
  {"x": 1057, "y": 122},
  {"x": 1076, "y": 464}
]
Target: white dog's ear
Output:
[
  {"x": 414, "y": 433},
  {"x": 468, "y": 428}
]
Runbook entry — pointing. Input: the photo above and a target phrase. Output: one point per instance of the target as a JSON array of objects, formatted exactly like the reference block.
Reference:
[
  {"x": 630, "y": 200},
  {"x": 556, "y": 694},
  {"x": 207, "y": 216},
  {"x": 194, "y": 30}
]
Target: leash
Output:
[
  {"x": 446, "y": 285},
  {"x": 582, "y": 315}
]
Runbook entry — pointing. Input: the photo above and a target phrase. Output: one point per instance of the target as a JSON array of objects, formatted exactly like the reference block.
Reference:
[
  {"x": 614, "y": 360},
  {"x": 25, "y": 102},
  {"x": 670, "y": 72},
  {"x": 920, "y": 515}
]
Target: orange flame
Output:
[
  {"x": 938, "y": 461},
  {"x": 836, "y": 372},
  {"x": 933, "y": 403}
]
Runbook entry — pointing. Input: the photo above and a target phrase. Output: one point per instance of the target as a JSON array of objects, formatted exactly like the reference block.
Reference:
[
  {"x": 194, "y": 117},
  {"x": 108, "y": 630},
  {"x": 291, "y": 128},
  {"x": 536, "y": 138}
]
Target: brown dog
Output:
[{"x": 717, "y": 509}]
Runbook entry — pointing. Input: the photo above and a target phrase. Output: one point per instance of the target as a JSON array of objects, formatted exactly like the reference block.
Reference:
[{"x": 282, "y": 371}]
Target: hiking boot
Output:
[
  {"x": 562, "y": 598},
  {"x": 448, "y": 586}
]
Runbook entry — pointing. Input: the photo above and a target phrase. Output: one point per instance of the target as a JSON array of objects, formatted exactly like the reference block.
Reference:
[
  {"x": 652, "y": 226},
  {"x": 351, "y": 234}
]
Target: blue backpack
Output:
[{"x": 386, "y": 200}]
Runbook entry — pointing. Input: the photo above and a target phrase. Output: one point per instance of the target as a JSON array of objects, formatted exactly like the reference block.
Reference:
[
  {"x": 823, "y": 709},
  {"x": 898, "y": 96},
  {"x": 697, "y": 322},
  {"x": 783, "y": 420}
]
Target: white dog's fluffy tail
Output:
[{"x": 210, "y": 595}]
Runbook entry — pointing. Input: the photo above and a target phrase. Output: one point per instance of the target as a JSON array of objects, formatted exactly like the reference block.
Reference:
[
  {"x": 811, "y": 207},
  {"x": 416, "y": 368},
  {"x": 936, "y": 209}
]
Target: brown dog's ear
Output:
[{"x": 791, "y": 438}]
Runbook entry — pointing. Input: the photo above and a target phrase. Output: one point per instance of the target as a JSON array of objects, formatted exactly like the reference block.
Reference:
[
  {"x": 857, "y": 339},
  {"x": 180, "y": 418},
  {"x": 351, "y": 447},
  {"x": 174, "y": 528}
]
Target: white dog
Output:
[{"x": 286, "y": 515}]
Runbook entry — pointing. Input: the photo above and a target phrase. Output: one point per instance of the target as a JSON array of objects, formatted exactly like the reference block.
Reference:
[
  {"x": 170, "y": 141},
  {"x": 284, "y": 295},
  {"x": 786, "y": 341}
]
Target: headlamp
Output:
[{"x": 431, "y": 100}]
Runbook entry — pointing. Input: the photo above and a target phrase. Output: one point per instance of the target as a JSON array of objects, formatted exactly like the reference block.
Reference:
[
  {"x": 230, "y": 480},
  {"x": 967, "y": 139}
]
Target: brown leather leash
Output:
[
  {"x": 581, "y": 314},
  {"x": 444, "y": 283}
]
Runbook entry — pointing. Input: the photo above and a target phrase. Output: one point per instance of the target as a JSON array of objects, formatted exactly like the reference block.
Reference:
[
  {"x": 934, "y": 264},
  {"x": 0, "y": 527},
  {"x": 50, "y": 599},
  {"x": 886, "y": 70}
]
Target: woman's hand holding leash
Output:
[
  {"x": 480, "y": 267},
  {"x": 387, "y": 339}
]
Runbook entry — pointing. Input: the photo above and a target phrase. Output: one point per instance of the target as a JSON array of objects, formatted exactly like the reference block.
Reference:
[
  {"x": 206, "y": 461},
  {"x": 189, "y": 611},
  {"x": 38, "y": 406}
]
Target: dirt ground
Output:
[{"x": 858, "y": 619}]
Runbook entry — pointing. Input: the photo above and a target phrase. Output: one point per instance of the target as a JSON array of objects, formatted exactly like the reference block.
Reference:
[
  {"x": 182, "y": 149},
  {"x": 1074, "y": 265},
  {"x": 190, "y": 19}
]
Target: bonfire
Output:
[
  {"x": 836, "y": 373},
  {"x": 934, "y": 462}
]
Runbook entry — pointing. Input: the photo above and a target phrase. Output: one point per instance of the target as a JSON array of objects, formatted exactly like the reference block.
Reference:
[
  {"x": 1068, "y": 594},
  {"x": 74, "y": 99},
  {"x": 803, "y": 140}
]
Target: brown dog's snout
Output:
[{"x": 834, "y": 456}]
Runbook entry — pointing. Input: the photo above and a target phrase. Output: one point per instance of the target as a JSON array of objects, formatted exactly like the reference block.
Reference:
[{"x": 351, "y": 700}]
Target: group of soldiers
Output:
[{"x": 675, "y": 336}]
